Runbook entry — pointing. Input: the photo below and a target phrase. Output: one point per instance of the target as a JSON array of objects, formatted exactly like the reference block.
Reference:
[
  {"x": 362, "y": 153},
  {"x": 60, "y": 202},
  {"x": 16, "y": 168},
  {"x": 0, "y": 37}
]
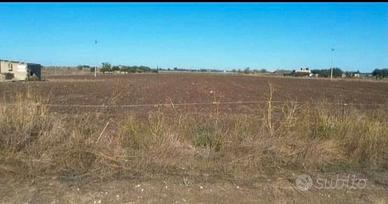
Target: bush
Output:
[{"x": 207, "y": 137}]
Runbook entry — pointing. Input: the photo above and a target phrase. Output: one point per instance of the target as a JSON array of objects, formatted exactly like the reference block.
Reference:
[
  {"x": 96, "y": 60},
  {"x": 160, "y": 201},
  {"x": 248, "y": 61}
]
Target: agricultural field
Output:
[
  {"x": 189, "y": 138},
  {"x": 196, "y": 91}
]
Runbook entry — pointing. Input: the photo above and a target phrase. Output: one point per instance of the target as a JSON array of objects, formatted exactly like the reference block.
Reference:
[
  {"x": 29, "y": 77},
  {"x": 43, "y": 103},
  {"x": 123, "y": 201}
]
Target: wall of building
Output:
[
  {"x": 6, "y": 66},
  {"x": 34, "y": 70},
  {"x": 19, "y": 70}
]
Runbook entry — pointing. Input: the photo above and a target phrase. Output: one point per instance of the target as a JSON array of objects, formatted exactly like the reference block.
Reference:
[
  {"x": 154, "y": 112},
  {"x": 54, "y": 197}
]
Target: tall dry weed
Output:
[{"x": 289, "y": 136}]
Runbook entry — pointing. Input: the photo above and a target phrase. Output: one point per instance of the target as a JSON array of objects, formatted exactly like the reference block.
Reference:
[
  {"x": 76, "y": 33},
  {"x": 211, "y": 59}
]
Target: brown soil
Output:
[
  {"x": 176, "y": 189},
  {"x": 149, "y": 89},
  {"x": 194, "y": 92}
]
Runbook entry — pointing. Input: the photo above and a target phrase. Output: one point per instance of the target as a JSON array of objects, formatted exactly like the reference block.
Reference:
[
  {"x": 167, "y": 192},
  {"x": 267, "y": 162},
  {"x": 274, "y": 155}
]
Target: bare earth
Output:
[
  {"x": 189, "y": 88},
  {"x": 171, "y": 189},
  {"x": 83, "y": 92}
]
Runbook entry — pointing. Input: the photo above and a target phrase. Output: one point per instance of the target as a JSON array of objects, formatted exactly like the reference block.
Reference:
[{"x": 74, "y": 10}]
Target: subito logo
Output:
[{"x": 304, "y": 182}]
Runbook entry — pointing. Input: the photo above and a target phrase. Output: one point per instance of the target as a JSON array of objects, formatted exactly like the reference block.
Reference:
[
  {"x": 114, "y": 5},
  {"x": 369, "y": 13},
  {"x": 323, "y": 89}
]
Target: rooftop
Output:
[{"x": 13, "y": 61}]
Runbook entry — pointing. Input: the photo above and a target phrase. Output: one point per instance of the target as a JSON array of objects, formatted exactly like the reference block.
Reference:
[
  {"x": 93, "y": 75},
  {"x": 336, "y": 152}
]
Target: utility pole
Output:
[
  {"x": 331, "y": 64},
  {"x": 95, "y": 68}
]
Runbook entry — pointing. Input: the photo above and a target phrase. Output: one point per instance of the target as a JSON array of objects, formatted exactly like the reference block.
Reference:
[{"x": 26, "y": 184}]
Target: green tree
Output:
[
  {"x": 115, "y": 68},
  {"x": 247, "y": 70},
  {"x": 81, "y": 67},
  {"x": 380, "y": 73},
  {"x": 106, "y": 67},
  {"x": 337, "y": 72}
]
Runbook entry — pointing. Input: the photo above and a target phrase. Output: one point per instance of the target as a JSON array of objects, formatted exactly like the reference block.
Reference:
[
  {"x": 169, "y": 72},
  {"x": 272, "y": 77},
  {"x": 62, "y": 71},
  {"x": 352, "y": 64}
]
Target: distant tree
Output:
[
  {"x": 133, "y": 69},
  {"x": 115, "y": 68},
  {"x": 337, "y": 72},
  {"x": 106, "y": 67},
  {"x": 247, "y": 70},
  {"x": 380, "y": 73},
  {"x": 81, "y": 67},
  {"x": 283, "y": 71}
]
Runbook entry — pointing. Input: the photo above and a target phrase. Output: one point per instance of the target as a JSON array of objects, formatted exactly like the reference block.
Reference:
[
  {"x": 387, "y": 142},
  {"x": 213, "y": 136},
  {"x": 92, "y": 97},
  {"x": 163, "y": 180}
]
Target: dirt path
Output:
[{"x": 174, "y": 189}]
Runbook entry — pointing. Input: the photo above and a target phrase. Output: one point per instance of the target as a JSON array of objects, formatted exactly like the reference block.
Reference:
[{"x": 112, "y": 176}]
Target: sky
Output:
[{"x": 198, "y": 35}]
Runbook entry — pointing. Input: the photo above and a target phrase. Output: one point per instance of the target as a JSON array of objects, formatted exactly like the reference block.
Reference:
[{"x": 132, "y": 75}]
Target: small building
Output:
[
  {"x": 302, "y": 72},
  {"x": 19, "y": 71},
  {"x": 353, "y": 75}
]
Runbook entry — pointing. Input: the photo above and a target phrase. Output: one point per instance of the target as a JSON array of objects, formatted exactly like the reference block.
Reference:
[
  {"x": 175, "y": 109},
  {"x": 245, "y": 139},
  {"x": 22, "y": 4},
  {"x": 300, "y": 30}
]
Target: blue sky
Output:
[{"x": 197, "y": 35}]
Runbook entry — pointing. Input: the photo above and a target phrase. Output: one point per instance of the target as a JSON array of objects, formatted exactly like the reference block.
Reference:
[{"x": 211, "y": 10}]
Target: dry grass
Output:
[{"x": 36, "y": 142}]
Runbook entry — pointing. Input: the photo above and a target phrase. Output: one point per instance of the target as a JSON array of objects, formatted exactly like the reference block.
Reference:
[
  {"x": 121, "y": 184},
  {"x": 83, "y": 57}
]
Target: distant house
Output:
[
  {"x": 302, "y": 72},
  {"x": 351, "y": 74},
  {"x": 19, "y": 71}
]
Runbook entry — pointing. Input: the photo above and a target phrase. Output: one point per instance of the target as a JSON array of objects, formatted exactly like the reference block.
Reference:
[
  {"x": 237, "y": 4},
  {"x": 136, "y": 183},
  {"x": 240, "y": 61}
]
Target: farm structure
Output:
[
  {"x": 19, "y": 71},
  {"x": 303, "y": 72}
]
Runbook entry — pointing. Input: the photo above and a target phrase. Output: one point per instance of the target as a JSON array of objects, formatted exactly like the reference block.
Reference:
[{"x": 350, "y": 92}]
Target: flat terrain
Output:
[
  {"x": 195, "y": 91},
  {"x": 237, "y": 94},
  {"x": 180, "y": 190}
]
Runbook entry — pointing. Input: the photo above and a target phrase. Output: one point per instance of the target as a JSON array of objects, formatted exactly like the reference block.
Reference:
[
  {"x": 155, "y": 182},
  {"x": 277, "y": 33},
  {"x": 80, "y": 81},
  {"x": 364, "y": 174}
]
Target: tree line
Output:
[
  {"x": 337, "y": 72},
  {"x": 249, "y": 71},
  {"x": 107, "y": 67},
  {"x": 380, "y": 73}
]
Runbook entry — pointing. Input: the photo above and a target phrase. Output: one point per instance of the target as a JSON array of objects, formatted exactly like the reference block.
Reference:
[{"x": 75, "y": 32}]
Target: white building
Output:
[
  {"x": 303, "y": 72},
  {"x": 19, "y": 71}
]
